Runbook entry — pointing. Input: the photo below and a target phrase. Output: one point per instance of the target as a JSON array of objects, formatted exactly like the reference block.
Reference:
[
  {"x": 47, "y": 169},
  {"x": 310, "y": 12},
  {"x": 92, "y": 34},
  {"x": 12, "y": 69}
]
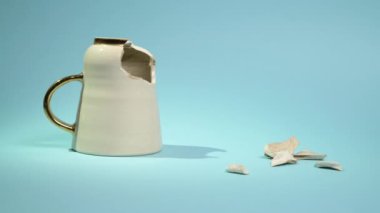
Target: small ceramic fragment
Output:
[
  {"x": 237, "y": 168},
  {"x": 283, "y": 157},
  {"x": 309, "y": 155},
  {"x": 288, "y": 145},
  {"x": 329, "y": 165}
]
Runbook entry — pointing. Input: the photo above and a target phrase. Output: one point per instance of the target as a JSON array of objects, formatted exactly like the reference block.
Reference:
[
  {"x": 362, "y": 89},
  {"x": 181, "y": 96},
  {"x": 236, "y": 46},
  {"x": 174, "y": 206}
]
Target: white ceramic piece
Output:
[
  {"x": 283, "y": 157},
  {"x": 237, "y": 168},
  {"x": 309, "y": 155},
  {"x": 329, "y": 165},
  {"x": 118, "y": 113},
  {"x": 288, "y": 145}
]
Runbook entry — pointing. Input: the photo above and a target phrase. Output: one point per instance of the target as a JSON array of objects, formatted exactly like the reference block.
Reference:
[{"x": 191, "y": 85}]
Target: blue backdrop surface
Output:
[{"x": 232, "y": 76}]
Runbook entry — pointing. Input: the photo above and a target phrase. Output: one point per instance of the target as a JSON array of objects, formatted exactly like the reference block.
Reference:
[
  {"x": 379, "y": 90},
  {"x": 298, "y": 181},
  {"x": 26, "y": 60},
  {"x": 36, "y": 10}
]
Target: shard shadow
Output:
[
  {"x": 265, "y": 157},
  {"x": 185, "y": 152}
]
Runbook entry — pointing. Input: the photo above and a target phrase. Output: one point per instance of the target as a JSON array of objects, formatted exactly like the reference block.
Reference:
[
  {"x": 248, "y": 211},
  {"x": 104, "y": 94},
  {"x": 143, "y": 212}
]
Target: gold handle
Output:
[{"x": 49, "y": 94}]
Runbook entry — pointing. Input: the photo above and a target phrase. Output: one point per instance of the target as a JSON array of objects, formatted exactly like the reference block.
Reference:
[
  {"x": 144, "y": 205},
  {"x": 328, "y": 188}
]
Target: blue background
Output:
[{"x": 232, "y": 76}]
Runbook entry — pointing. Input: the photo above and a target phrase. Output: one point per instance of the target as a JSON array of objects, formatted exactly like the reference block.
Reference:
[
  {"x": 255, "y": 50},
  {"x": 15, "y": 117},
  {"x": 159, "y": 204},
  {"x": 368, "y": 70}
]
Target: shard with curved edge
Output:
[
  {"x": 329, "y": 165},
  {"x": 237, "y": 168},
  {"x": 309, "y": 155}
]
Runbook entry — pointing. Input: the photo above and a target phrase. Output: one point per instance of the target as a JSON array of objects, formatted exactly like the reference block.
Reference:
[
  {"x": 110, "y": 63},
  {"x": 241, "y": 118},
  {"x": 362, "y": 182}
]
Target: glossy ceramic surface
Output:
[{"x": 118, "y": 113}]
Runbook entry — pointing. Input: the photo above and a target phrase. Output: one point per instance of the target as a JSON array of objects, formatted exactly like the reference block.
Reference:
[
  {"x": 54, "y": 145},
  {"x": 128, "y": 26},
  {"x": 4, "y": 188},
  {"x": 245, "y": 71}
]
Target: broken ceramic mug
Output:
[{"x": 118, "y": 113}]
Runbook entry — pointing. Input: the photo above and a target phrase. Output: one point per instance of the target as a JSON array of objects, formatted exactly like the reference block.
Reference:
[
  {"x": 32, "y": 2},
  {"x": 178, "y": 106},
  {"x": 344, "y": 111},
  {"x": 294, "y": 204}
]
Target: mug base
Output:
[{"x": 117, "y": 155}]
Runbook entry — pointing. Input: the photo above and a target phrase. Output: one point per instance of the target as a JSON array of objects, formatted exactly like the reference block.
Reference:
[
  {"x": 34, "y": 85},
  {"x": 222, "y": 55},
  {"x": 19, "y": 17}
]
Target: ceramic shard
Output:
[
  {"x": 283, "y": 157},
  {"x": 329, "y": 165},
  {"x": 309, "y": 155},
  {"x": 237, "y": 168},
  {"x": 288, "y": 145}
]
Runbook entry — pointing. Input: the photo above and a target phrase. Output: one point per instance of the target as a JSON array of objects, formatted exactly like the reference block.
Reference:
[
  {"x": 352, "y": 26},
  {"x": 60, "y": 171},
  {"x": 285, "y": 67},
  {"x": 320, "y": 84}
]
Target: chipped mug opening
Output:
[{"x": 138, "y": 64}]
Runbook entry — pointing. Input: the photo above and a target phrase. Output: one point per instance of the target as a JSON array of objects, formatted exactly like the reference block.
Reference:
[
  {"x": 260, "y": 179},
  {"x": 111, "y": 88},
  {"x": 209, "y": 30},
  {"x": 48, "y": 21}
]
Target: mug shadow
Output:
[
  {"x": 185, "y": 152},
  {"x": 167, "y": 151}
]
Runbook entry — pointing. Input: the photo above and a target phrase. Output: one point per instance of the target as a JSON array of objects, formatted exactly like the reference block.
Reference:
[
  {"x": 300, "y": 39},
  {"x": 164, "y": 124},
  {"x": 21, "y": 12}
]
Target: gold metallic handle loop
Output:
[{"x": 49, "y": 94}]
